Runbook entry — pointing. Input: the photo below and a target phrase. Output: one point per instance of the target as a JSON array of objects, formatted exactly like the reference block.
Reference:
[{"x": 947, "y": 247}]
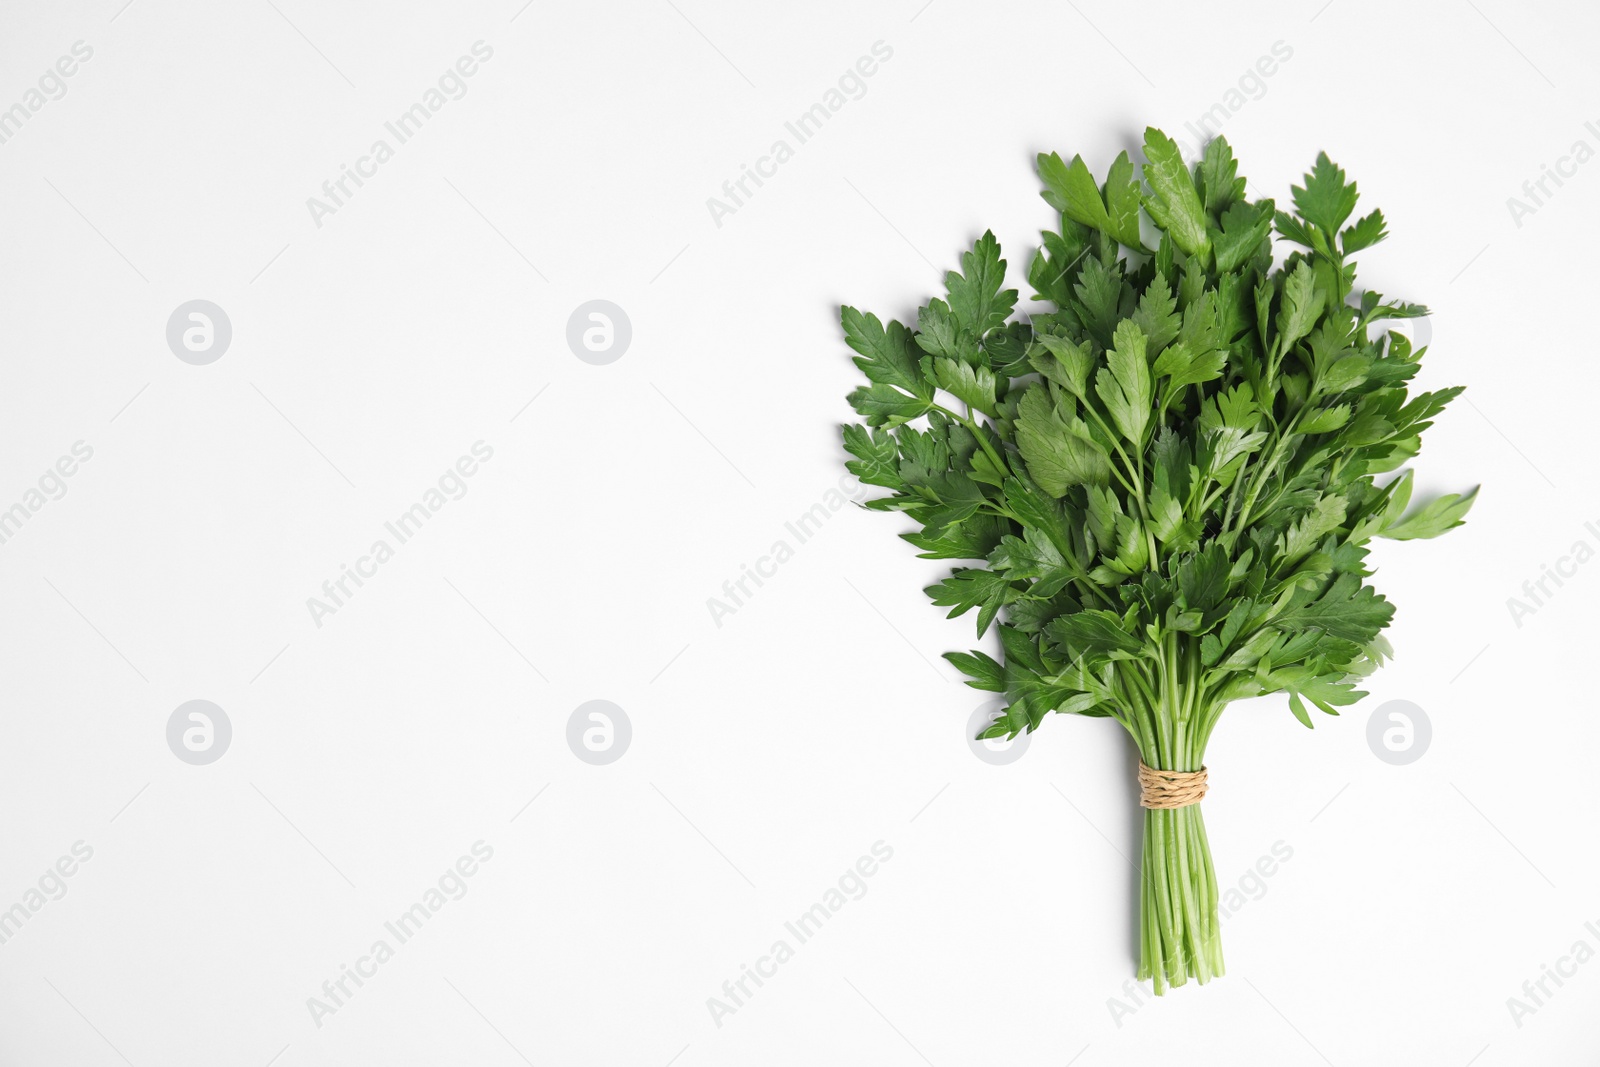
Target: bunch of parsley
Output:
[{"x": 1162, "y": 488}]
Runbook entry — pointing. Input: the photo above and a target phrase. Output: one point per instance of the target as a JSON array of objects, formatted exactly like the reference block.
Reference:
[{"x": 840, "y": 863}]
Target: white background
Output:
[{"x": 772, "y": 751}]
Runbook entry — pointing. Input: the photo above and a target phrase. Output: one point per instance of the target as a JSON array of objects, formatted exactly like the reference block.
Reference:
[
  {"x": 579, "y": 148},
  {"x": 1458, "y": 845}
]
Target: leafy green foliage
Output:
[{"x": 1160, "y": 489}]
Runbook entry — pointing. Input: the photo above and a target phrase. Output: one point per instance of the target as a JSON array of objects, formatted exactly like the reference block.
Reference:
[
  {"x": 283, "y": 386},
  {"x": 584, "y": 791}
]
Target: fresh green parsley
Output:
[{"x": 1159, "y": 493}]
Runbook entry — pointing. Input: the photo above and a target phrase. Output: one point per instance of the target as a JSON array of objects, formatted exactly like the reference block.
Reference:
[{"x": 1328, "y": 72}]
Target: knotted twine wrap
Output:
[{"x": 1170, "y": 789}]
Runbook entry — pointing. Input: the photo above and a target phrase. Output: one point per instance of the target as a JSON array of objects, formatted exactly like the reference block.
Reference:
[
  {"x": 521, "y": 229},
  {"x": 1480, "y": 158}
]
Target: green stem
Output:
[{"x": 1179, "y": 931}]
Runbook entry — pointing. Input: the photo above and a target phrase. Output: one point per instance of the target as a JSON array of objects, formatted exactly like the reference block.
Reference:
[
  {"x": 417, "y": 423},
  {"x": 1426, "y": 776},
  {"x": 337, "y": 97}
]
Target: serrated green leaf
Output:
[
  {"x": 1157, "y": 315},
  {"x": 1299, "y": 709},
  {"x": 1124, "y": 384},
  {"x": 1302, "y": 301},
  {"x": 976, "y": 297},
  {"x": 1325, "y": 420},
  {"x": 1122, "y": 202},
  {"x": 1326, "y": 516},
  {"x": 884, "y": 405},
  {"x": 1325, "y": 200},
  {"x": 1064, "y": 363},
  {"x": 1364, "y": 234},
  {"x": 1220, "y": 183},
  {"x": 1244, "y": 227},
  {"x": 969, "y": 588},
  {"x": 886, "y": 356},
  {"x": 1433, "y": 518},
  {"x": 973, "y": 386},
  {"x": 1099, "y": 291},
  {"x": 1172, "y": 201},
  {"x": 1183, "y": 367},
  {"x": 939, "y": 333},
  {"x": 981, "y": 670},
  {"x": 877, "y": 456},
  {"x": 1348, "y": 610},
  {"x": 1093, "y": 631}
]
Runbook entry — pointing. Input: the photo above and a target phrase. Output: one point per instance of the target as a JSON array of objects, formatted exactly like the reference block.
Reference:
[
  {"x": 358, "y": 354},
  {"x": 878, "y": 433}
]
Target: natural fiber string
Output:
[{"x": 1170, "y": 789}]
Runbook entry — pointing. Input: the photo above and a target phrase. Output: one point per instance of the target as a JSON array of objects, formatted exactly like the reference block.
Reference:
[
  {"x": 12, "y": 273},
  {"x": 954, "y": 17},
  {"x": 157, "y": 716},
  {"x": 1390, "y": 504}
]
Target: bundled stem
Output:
[
  {"x": 1170, "y": 723},
  {"x": 1179, "y": 934}
]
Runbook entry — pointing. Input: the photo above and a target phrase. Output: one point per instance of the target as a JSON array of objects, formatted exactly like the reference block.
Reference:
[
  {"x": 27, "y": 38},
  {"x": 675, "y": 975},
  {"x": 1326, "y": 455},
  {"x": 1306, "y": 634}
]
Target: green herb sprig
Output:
[{"x": 1162, "y": 489}]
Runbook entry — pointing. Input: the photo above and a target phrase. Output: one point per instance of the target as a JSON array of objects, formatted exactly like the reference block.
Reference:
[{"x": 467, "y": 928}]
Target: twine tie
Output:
[{"x": 1163, "y": 790}]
